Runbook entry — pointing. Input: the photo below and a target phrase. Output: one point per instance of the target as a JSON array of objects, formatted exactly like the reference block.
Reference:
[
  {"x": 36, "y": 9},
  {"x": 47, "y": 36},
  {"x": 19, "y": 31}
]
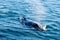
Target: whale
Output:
[{"x": 31, "y": 23}]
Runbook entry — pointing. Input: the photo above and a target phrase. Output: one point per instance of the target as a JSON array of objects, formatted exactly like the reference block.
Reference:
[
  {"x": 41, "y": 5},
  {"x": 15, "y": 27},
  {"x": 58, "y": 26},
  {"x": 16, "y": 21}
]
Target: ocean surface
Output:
[{"x": 46, "y": 12}]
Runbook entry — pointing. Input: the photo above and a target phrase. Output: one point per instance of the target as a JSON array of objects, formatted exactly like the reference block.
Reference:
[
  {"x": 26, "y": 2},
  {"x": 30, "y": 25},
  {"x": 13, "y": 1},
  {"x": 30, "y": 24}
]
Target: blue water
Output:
[{"x": 42, "y": 11}]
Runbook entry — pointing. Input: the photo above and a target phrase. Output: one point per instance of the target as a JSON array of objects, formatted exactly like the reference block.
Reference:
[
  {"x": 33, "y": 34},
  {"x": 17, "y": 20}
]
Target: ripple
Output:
[{"x": 44, "y": 11}]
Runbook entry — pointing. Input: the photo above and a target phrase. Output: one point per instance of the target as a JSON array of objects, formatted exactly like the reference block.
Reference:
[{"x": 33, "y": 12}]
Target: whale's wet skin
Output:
[{"x": 32, "y": 23}]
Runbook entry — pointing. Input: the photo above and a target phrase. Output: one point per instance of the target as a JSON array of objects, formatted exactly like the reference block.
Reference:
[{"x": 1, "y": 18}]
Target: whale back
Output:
[{"x": 31, "y": 23}]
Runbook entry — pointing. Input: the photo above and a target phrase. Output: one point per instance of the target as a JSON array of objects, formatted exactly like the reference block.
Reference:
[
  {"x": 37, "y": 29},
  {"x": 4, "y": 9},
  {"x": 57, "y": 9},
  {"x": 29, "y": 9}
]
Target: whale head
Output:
[
  {"x": 41, "y": 26},
  {"x": 44, "y": 27}
]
